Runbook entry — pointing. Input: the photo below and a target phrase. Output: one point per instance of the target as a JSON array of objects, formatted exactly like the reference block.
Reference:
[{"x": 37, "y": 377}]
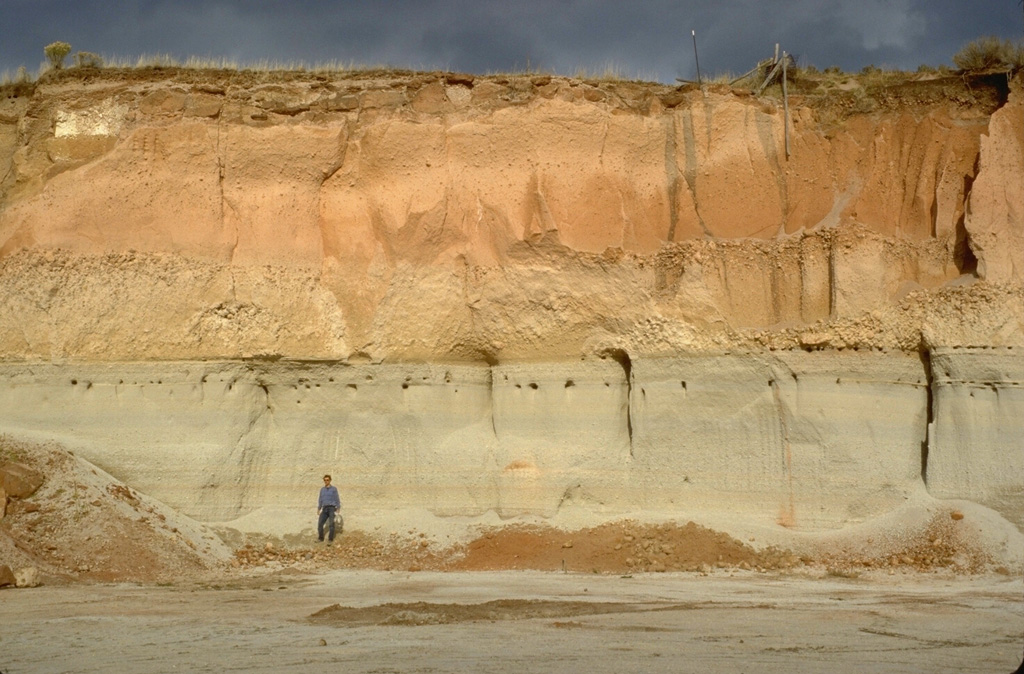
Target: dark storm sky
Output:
[{"x": 648, "y": 39}]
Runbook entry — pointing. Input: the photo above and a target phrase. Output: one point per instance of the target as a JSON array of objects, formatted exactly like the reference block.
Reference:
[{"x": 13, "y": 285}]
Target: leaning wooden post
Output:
[
  {"x": 785, "y": 102},
  {"x": 768, "y": 80}
]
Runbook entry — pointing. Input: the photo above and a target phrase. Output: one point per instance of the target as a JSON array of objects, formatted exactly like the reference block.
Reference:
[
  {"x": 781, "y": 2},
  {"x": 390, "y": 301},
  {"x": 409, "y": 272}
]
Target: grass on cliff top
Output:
[
  {"x": 164, "y": 64},
  {"x": 984, "y": 55}
]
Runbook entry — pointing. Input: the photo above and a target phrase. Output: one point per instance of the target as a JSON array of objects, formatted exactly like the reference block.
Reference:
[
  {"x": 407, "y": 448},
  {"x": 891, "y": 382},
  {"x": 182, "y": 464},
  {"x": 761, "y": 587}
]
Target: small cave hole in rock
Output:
[
  {"x": 534, "y": 386},
  {"x": 569, "y": 383}
]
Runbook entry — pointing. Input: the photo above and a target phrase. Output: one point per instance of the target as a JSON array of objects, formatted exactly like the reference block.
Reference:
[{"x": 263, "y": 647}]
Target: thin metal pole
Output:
[{"x": 697, "y": 60}]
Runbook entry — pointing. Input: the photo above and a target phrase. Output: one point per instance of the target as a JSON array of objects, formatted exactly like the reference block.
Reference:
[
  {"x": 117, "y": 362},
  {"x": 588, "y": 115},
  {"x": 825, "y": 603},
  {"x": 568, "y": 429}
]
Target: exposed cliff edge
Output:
[{"x": 622, "y": 282}]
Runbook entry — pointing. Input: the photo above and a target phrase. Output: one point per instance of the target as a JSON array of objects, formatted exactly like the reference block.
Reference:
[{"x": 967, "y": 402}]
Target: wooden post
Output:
[
  {"x": 785, "y": 102},
  {"x": 745, "y": 75},
  {"x": 768, "y": 80}
]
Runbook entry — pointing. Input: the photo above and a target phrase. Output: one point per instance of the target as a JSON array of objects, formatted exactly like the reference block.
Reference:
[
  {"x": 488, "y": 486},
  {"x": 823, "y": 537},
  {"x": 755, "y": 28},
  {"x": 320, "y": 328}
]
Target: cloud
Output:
[
  {"x": 646, "y": 38},
  {"x": 883, "y": 23}
]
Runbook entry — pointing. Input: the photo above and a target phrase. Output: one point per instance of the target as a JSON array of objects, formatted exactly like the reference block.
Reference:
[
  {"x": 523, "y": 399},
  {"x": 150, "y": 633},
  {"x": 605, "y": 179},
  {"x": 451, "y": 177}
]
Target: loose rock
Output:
[
  {"x": 27, "y": 577},
  {"x": 20, "y": 481}
]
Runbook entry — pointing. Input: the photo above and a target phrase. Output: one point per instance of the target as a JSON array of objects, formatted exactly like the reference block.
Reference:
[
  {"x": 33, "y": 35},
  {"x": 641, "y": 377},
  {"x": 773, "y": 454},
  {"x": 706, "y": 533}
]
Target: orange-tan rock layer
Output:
[{"x": 442, "y": 217}]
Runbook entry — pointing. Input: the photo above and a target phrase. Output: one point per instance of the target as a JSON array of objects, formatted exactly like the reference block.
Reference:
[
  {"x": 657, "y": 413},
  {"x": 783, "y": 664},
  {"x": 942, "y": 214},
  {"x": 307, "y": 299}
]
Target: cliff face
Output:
[
  {"x": 385, "y": 221},
  {"x": 498, "y": 219}
]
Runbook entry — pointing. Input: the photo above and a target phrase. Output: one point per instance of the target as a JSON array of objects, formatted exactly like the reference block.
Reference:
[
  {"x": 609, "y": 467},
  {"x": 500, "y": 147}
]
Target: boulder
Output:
[
  {"x": 19, "y": 481},
  {"x": 27, "y": 577}
]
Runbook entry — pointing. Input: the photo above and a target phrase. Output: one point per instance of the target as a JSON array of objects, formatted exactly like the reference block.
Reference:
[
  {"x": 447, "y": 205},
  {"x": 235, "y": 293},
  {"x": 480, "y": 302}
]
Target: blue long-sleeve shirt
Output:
[{"x": 329, "y": 497}]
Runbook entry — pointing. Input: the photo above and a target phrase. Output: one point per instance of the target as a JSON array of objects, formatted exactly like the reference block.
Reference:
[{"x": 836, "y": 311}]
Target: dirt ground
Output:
[
  {"x": 129, "y": 583},
  {"x": 520, "y": 621}
]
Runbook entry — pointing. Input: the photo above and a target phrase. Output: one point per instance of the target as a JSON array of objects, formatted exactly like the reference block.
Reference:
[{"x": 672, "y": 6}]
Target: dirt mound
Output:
[
  {"x": 82, "y": 524},
  {"x": 426, "y": 613},
  {"x": 629, "y": 546},
  {"x": 619, "y": 547},
  {"x": 943, "y": 543}
]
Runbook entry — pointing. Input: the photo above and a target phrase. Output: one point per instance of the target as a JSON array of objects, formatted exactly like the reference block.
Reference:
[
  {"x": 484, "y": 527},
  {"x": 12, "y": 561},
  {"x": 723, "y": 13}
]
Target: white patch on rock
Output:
[
  {"x": 458, "y": 94},
  {"x": 105, "y": 119}
]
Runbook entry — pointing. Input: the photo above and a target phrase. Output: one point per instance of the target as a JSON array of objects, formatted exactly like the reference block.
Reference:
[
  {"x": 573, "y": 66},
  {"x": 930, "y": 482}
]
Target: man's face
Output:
[{"x": 327, "y": 482}]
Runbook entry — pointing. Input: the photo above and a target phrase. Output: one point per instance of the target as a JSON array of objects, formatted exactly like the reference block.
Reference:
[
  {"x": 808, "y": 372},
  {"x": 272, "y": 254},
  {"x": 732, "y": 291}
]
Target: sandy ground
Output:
[
  {"x": 129, "y": 584},
  {"x": 536, "y": 622}
]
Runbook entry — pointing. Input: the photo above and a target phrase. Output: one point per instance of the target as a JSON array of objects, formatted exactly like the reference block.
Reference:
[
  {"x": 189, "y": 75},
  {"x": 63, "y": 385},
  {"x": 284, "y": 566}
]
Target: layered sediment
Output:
[
  {"x": 519, "y": 294},
  {"x": 806, "y": 440}
]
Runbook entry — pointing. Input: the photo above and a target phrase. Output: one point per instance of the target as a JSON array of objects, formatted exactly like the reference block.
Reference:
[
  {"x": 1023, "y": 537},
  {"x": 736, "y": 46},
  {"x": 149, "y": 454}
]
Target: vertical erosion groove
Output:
[
  {"x": 622, "y": 358},
  {"x": 787, "y": 514},
  {"x": 926, "y": 362},
  {"x": 490, "y": 398},
  {"x": 964, "y": 258},
  {"x": 690, "y": 170},
  {"x": 832, "y": 277},
  {"x": 763, "y": 126},
  {"x": 672, "y": 175}
]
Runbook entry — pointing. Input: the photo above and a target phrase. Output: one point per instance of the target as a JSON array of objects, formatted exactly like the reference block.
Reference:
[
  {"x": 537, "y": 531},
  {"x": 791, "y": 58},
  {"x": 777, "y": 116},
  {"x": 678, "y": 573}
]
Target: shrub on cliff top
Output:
[
  {"x": 990, "y": 53},
  {"x": 55, "y": 53},
  {"x": 86, "y": 59}
]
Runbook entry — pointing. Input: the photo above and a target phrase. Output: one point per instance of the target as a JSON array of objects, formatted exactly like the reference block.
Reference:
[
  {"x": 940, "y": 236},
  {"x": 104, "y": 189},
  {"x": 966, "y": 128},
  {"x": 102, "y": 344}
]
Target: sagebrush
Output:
[
  {"x": 990, "y": 53},
  {"x": 55, "y": 53}
]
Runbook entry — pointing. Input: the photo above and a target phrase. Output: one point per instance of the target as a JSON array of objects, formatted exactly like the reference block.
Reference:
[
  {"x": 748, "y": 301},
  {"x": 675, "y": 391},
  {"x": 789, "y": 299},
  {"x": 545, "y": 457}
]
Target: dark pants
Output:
[{"x": 326, "y": 515}]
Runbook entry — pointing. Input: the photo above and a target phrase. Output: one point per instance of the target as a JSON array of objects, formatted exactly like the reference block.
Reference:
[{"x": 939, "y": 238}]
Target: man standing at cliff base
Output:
[{"x": 326, "y": 506}]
